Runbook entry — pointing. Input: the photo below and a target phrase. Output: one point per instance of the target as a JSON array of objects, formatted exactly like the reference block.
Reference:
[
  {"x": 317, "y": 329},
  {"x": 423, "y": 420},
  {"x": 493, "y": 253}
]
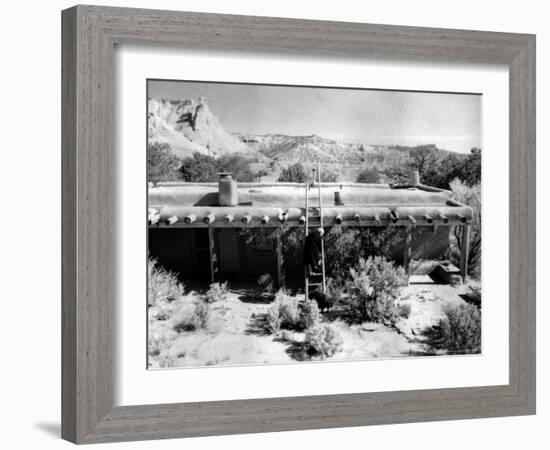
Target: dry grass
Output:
[
  {"x": 164, "y": 288},
  {"x": 461, "y": 329},
  {"x": 216, "y": 292}
]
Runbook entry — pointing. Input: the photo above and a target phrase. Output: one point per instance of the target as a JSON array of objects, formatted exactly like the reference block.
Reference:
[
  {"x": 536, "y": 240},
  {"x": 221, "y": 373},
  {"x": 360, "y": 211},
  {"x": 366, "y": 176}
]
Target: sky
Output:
[{"x": 451, "y": 121}]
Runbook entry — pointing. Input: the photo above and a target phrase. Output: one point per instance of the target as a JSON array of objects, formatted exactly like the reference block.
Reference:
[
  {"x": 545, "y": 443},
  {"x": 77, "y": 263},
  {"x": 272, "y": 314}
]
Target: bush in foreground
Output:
[
  {"x": 286, "y": 312},
  {"x": 309, "y": 314},
  {"x": 194, "y": 318},
  {"x": 372, "y": 290},
  {"x": 266, "y": 284},
  {"x": 323, "y": 340},
  {"x": 461, "y": 329},
  {"x": 216, "y": 292},
  {"x": 164, "y": 286}
]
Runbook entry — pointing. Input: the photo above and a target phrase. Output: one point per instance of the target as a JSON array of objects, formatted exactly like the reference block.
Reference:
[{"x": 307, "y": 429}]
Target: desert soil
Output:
[{"x": 235, "y": 333}]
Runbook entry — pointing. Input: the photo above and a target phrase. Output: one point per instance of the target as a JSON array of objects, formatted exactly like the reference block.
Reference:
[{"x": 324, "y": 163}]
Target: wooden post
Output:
[
  {"x": 306, "y": 281},
  {"x": 280, "y": 261},
  {"x": 464, "y": 251},
  {"x": 407, "y": 253},
  {"x": 213, "y": 260},
  {"x": 323, "y": 285}
]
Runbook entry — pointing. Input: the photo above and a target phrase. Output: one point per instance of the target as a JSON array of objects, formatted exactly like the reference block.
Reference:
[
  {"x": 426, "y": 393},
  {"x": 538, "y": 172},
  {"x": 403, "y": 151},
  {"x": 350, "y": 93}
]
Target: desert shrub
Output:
[
  {"x": 328, "y": 176},
  {"x": 216, "y": 292},
  {"x": 294, "y": 173},
  {"x": 345, "y": 246},
  {"x": 201, "y": 314},
  {"x": 342, "y": 250},
  {"x": 471, "y": 196},
  {"x": 196, "y": 318},
  {"x": 163, "y": 286},
  {"x": 156, "y": 343},
  {"x": 239, "y": 166},
  {"x": 309, "y": 314},
  {"x": 368, "y": 175},
  {"x": 266, "y": 283},
  {"x": 286, "y": 312},
  {"x": 461, "y": 329},
  {"x": 334, "y": 290},
  {"x": 323, "y": 340},
  {"x": 202, "y": 168},
  {"x": 162, "y": 165},
  {"x": 372, "y": 290}
]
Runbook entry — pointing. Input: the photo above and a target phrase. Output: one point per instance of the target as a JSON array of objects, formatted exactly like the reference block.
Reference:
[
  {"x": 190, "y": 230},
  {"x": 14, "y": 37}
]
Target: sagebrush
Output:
[
  {"x": 345, "y": 246},
  {"x": 374, "y": 285},
  {"x": 194, "y": 317},
  {"x": 266, "y": 284},
  {"x": 286, "y": 312},
  {"x": 216, "y": 292},
  {"x": 461, "y": 329},
  {"x": 323, "y": 340},
  {"x": 163, "y": 287}
]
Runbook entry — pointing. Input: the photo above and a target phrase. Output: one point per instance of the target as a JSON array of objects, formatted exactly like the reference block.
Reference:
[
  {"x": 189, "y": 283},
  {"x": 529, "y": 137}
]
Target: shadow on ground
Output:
[
  {"x": 471, "y": 299},
  {"x": 296, "y": 350},
  {"x": 432, "y": 341},
  {"x": 51, "y": 428},
  {"x": 258, "y": 325},
  {"x": 254, "y": 299}
]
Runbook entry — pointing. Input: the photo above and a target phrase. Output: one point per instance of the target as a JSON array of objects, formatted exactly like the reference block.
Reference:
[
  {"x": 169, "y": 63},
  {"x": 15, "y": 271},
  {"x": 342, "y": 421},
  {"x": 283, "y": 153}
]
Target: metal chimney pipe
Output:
[
  {"x": 227, "y": 190},
  {"x": 414, "y": 179}
]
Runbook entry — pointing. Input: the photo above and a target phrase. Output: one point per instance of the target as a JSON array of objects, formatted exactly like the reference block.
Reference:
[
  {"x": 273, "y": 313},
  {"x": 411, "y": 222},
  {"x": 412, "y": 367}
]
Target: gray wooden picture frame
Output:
[{"x": 89, "y": 35}]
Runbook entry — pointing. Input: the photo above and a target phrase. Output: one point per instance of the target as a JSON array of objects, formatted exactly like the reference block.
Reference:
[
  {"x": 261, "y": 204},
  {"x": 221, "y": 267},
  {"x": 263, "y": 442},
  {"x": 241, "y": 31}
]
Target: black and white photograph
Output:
[{"x": 290, "y": 224}]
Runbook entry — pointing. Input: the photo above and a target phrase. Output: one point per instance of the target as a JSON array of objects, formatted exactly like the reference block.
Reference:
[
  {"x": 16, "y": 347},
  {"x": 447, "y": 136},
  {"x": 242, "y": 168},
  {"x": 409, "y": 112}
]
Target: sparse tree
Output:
[
  {"x": 471, "y": 169},
  {"x": 368, "y": 175},
  {"x": 203, "y": 168},
  {"x": 162, "y": 165},
  {"x": 423, "y": 158},
  {"x": 200, "y": 168},
  {"x": 328, "y": 176},
  {"x": 294, "y": 173}
]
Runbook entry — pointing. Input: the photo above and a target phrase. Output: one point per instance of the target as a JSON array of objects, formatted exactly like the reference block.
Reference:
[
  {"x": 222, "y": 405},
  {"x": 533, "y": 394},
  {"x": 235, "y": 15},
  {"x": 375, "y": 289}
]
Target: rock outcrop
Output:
[{"x": 188, "y": 127}]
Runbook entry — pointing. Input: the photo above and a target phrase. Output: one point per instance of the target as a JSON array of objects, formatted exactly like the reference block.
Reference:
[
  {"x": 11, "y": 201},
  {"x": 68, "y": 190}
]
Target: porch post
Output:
[
  {"x": 407, "y": 253},
  {"x": 280, "y": 261},
  {"x": 464, "y": 251},
  {"x": 212, "y": 248}
]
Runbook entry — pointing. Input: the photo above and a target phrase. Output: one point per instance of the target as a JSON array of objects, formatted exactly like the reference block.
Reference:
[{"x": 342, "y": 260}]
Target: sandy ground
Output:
[{"x": 235, "y": 332}]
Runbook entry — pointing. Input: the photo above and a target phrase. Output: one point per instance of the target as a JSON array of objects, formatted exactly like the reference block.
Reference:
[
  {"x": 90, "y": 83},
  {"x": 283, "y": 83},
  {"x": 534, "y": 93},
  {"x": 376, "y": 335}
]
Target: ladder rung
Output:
[{"x": 315, "y": 284}]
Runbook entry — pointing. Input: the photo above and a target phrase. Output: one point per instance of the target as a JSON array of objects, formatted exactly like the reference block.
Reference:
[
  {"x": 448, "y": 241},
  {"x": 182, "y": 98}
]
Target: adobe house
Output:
[{"x": 223, "y": 230}]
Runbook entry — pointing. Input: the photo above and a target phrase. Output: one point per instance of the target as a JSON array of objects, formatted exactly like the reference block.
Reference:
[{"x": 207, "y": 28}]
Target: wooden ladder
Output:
[{"x": 315, "y": 279}]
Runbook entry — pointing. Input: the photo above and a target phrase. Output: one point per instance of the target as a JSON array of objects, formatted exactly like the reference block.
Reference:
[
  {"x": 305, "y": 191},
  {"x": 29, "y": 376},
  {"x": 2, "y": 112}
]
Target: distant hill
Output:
[
  {"x": 286, "y": 149},
  {"x": 291, "y": 149},
  {"x": 188, "y": 126}
]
